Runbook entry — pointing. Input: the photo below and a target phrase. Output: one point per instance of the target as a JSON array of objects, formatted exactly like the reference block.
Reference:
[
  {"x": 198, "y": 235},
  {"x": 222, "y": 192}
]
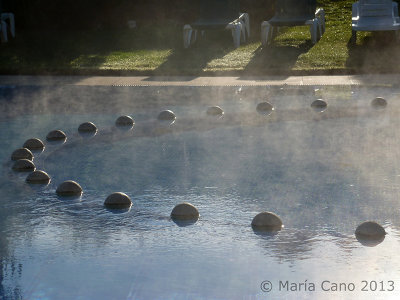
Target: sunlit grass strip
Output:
[
  {"x": 237, "y": 59},
  {"x": 134, "y": 60}
]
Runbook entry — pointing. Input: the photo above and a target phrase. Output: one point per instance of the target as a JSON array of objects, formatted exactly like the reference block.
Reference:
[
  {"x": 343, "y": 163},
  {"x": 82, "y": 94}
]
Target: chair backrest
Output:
[
  {"x": 219, "y": 9},
  {"x": 295, "y": 8},
  {"x": 375, "y": 8}
]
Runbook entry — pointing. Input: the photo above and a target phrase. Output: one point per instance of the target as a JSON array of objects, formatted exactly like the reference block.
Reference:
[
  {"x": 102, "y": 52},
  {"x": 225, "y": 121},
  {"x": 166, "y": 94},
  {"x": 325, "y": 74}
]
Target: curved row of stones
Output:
[{"x": 369, "y": 233}]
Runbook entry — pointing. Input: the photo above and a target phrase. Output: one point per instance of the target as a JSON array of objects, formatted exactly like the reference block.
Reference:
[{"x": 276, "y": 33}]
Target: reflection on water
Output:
[{"x": 323, "y": 174}]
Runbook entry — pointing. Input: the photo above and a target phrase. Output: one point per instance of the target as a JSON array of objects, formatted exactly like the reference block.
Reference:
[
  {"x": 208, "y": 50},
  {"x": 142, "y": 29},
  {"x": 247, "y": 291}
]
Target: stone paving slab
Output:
[{"x": 390, "y": 80}]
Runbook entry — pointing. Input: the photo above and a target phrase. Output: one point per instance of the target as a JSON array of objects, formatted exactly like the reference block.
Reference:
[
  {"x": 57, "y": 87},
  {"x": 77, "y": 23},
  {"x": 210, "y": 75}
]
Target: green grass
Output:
[{"x": 150, "y": 50}]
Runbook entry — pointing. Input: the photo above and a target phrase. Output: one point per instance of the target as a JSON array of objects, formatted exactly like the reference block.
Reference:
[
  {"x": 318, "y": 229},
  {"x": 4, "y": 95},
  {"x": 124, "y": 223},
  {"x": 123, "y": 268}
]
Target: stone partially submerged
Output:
[
  {"x": 69, "y": 188},
  {"x": 267, "y": 221},
  {"x": 215, "y": 111},
  {"x": 118, "y": 200},
  {"x": 265, "y": 108},
  {"x": 34, "y": 144},
  {"x": 87, "y": 127},
  {"x": 370, "y": 230},
  {"x": 22, "y": 153},
  {"x": 24, "y": 165},
  {"x": 166, "y": 115},
  {"x": 38, "y": 177},
  {"x": 370, "y": 234},
  {"x": 379, "y": 103},
  {"x": 125, "y": 121},
  {"x": 319, "y": 105},
  {"x": 185, "y": 212},
  {"x": 56, "y": 135}
]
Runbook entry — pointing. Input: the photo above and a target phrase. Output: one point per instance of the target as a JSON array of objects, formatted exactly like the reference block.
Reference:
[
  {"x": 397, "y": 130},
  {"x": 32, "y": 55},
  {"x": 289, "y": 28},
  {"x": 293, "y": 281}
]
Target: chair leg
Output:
[
  {"x": 274, "y": 32},
  {"x": 312, "y": 33},
  {"x": 3, "y": 28},
  {"x": 243, "y": 32},
  {"x": 12, "y": 24},
  {"x": 265, "y": 32},
  {"x": 315, "y": 25},
  {"x": 313, "y": 30},
  {"x": 320, "y": 32},
  {"x": 236, "y": 33},
  {"x": 320, "y": 15},
  {"x": 247, "y": 23},
  {"x": 187, "y": 35},
  {"x": 245, "y": 20},
  {"x": 353, "y": 36},
  {"x": 194, "y": 36},
  {"x": 10, "y": 18}
]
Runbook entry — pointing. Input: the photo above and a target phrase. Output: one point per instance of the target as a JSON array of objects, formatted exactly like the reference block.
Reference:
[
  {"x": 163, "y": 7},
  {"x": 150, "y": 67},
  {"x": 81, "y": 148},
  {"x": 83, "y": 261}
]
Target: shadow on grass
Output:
[
  {"x": 145, "y": 51},
  {"x": 47, "y": 51},
  {"x": 276, "y": 59},
  {"x": 41, "y": 52},
  {"x": 376, "y": 52},
  {"x": 194, "y": 60}
]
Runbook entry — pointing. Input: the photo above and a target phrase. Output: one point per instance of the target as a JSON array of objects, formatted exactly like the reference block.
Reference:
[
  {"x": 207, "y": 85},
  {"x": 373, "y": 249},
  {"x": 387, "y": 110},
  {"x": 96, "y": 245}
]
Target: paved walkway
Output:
[{"x": 386, "y": 80}]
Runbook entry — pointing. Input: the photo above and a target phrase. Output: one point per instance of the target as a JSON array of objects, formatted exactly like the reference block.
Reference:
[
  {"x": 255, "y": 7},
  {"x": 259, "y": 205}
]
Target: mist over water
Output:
[{"x": 323, "y": 173}]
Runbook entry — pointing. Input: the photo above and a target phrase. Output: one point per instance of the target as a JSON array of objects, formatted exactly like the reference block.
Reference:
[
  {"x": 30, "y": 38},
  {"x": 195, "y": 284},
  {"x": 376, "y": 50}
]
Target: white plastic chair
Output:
[
  {"x": 219, "y": 14},
  {"x": 3, "y": 31},
  {"x": 239, "y": 28},
  {"x": 294, "y": 13},
  {"x": 374, "y": 15},
  {"x": 11, "y": 20}
]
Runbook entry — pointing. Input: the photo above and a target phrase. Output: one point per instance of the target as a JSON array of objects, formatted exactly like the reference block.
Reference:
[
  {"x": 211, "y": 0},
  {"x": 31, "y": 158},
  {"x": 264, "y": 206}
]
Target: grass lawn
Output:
[{"x": 151, "y": 50}]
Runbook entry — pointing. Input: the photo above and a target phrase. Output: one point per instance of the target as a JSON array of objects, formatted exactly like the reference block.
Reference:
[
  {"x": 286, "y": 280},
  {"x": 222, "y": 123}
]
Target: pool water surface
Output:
[{"x": 323, "y": 173}]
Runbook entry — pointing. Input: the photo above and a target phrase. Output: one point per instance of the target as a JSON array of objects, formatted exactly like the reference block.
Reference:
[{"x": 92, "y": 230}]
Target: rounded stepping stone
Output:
[
  {"x": 38, "y": 177},
  {"x": 87, "y": 127},
  {"x": 379, "y": 103},
  {"x": 267, "y": 221},
  {"x": 118, "y": 200},
  {"x": 125, "y": 121},
  {"x": 319, "y": 105},
  {"x": 33, "y": 144},
  {"x": 214, "y": 111},
  {"x": 166, "y": 115},
  {"x": 185, "y": 211},
  {"x": 22, "y": 153},
  {"x": 370, "y": 230},
  {"x": 265, "y": 108},
  {"x": 69, "y": 188},
  {"x": 56, "y": 135},
  {"x": 24, "y": 165}
]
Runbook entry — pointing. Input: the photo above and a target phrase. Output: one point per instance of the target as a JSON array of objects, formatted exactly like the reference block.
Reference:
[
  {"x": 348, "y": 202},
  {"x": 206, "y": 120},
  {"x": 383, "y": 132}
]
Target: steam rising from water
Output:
[
  {"x": 292, "y": 142},
  {"x": 322, "y": 173}
]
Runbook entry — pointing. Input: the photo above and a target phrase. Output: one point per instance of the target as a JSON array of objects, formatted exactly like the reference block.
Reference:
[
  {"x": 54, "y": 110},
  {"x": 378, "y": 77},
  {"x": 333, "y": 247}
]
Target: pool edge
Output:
[{"x": 370, "y": 80}]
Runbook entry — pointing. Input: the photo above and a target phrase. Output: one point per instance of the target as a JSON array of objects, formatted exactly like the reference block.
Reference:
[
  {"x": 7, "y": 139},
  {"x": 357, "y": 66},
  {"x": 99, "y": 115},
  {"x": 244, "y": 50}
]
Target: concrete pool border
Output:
[{"x": 346, "y": 80}]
